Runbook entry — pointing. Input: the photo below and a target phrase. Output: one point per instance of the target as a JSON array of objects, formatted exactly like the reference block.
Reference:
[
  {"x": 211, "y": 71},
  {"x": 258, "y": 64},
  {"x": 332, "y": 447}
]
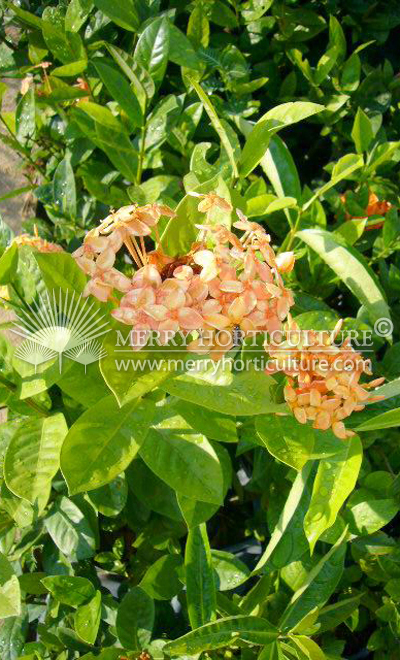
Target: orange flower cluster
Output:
[
  {"x": 323, "y": 384},
  {"x": 224, "y": 282},
  {"x": 38, "y": 243},
  {"x": 374, "y": 207}
]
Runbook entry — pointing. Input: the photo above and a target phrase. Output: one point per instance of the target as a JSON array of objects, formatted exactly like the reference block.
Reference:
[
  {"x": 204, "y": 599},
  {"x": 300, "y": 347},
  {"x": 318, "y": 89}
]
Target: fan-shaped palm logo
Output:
[{"x": 60, "y": 325}]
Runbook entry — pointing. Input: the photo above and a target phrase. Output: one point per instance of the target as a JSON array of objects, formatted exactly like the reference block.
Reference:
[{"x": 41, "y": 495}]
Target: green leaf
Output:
[
  {"x": 71, "y": 69},
  {"x": 32, "y": 458},
  {"x": 64, "y": 190},
  {"x": 10, "y": 593},
  {"x": 270, "y": 123},
  {"x": 230, "y": 572},
  {"x": 161, "y": 580},
  {"x": 308, "y": 648},
  {"x": 386, "y": 420},
  {"x": 135, "y": 619},
  {"x": 320, "y": 583},
  {"x": 152, "y": 49},
  {"x": 352, "y": 269},
  {"x": 70, "y": 530},
  {"x": 279, "y": 166},
  {"x": 245, "y": 393},
  {"x": 272, "y": 652},
  {"x": 25, "y": 118},
  {"x": 286, "y": 439},
  {"x": 185, "y": 460},
  {"x": 110, "y": 499},
  {"x": 8, "y": 264},
  {"x": 102, "y": 442},
  {"x": 214, "y": 425},
  {"x": 217, "y": 634},
  {"x": 140, "y": 78},
  {"x": 25, "y": 16},
  {"x": 152, "y": 491},
  {"x": 60, "y": 271},
  {"x": 292, "y": 505},
  {"x": 125, "y": 14},
  {"x": 335, "y": 480},
  {"x": 200, "y": 584},
  {"x": 109, "y": 134},
  {"x": 70, "y": 590},
  {"x": 87, "y": 619},
  {"x": 76, "y": 14},
  {"x": 343, "y": 169},
  {"x": 181, "y": 231},
  {"x": 362, "y": 131},
  {"x": 13, "y": 633},
  {"x": 371, "y": 515},
  {"x": 216, "y": 123},
  {"x": 194, "y": 511},
  {"x": 181, "y": 51},
  {"x": 332, "y": 616},
  {"x": 120, "y": 90}
]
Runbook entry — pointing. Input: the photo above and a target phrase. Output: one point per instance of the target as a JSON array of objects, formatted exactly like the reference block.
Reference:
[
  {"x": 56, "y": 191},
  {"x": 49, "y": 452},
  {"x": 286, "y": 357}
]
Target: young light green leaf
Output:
[
  {"x": 344, "y": 167},
  {"x": 70, "y": 589},
  {"x": 279, "y": 166},
  {"x": 161, "y": 581},
  {"x": 200, "y": 584},
  {"x": 230, "y": 572},
  {"x": 25, "y": 118},
  {"x": 10, "y": 593},
  {"x": 103, "y": 441},
  {"x": 274, "y": 120},
  {"x": 8, "y": 264},
  {"x": 334, "y": 481},
  {"x": 362, "y": 131},
  {"x": 32, "y": 458},
  {"x": 385, "y": 420},
  {"x": 352, "y": 269},
  {"x": 245, "y": 393},
  {"x": 87, "y": 619},
  {"x": 286, "y": 439},
  {"x": 135, "y": 619},
  {"x": 217, "y": 634}
]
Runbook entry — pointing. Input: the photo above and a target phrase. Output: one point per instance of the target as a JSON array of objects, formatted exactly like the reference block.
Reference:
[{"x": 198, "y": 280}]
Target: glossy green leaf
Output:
[
  {"x": 319, "y": 585},
  {"x": 352, "y": 269},
  {"x": 120, "y": 90},
  {"x": 195, "y": 512},
  {"x": 279, "y": 166},
  {"x": 10, "y": 593},
  {"x": 125, "y": 14},
  {"x": 332, "y": 615},
  {"x": 25, "y": 118},
  {"x": 152, "y": 491},
  {"x": 69, "y": 589},
  {"x": 87, "y": 619},
  {"x": 70, "y": 530},
  {"x": 200, "y": 584},
  {"x": 110, "y": 499},
  {"x": 8, "y": 264},
  {"x": 152, "y": 49},
  {"x": 230, "y": 572},
  {"x": 161, "y": 580},
  {"x": 33, "y": 457},
  {"x": 64, "y": 189},
  {"x": 135, "y": 619},
  {"x": 102, "y": 442},
  {"x": 387, "y": 420},
  {"x": 371, "y": 515},
  {"x": 244, "y": 393},
  {"x": 362, "y": 131},
  {"x": 212, "y": 424},
  {"x": 335, "y": 480},
  {"x": 271, "y": 122},
  {"x": 185, "y": 460},
  {"x": 286, "y": 439},
  {"x": 343, "y": 169},
  {"x": 181, "y": 50},
  {"x": 290, "y": 509},
  {"x": 217, "y": 634}
]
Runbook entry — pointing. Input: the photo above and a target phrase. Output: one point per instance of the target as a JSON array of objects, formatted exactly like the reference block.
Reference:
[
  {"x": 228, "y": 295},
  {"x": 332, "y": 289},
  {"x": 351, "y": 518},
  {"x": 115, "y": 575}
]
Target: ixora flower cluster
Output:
[
  {"x": 323, "y": 377},
  {"x": 225, "y": 283}
]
